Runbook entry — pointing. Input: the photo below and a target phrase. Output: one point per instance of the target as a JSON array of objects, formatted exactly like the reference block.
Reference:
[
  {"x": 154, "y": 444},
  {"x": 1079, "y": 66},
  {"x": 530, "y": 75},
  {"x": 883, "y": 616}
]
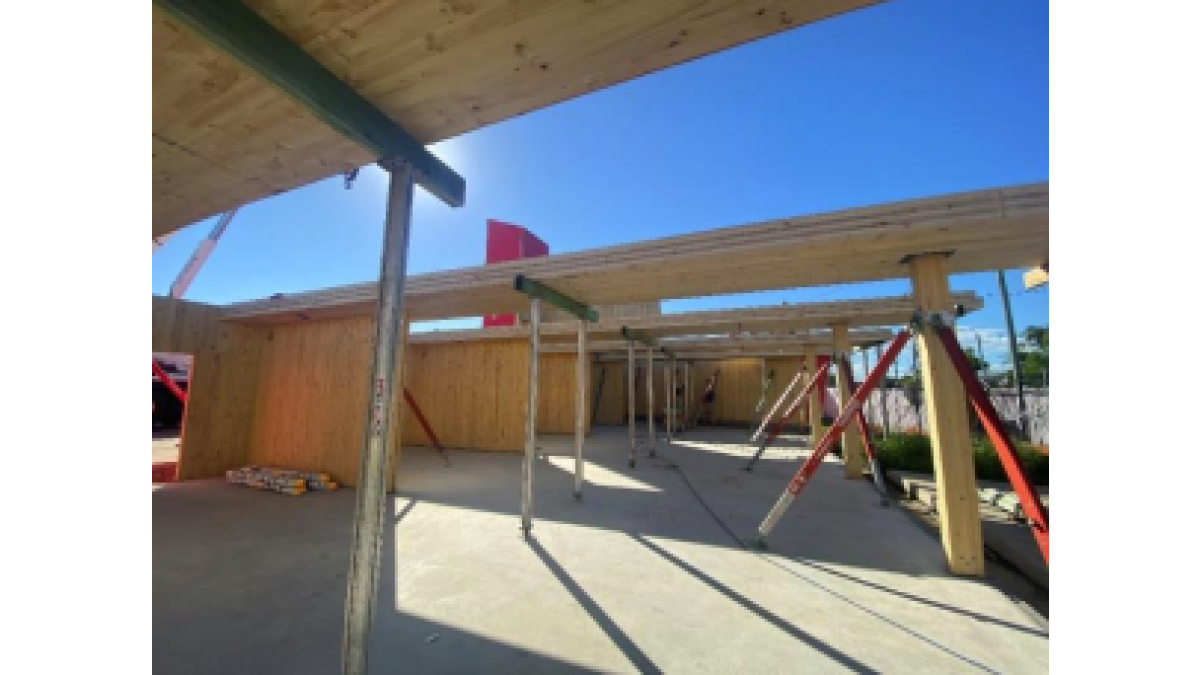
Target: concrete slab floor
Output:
[{"x": 639, "y": 576}]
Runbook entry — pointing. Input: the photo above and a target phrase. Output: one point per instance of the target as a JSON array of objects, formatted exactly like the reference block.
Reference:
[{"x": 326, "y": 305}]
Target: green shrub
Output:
[
  {"x": 988, "y": 466},
  {"x": 905, "y": 452},
  {"x": 914, "y": 452}
]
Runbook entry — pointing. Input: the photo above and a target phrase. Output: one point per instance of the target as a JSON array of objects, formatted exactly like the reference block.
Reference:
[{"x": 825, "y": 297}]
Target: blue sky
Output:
[{"x": 907, "y": 99}]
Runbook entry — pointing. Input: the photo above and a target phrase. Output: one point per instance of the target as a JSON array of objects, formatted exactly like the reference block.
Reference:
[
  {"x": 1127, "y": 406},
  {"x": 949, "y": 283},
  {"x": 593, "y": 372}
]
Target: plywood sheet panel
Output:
[
  {"x": 613, "y": 402},
  {"x": 222, "y": 385}
]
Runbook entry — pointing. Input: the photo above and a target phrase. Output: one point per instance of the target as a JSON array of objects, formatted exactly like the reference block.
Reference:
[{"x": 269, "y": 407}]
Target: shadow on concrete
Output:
[
  {"x": 622, "y": 641},
  {"x": 403, "y": 642},
  {"x": 924, "y": 601},
  {"x": 765, "y": 614},
  {"x": 265, "y": 594}
]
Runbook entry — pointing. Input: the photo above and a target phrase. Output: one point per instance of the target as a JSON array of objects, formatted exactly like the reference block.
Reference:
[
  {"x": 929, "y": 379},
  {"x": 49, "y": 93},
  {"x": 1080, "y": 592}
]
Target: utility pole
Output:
[{"x": 1012, "y": 351}]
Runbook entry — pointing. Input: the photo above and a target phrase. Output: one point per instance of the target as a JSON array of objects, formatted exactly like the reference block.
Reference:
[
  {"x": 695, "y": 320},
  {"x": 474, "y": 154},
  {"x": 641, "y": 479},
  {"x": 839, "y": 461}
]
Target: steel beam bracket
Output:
[
  {"x": 239, "y": 31},
  {"x": 634, "y": 335},
  {"x": 922, "y": 320},
  {"x": 536, "y": 289}
]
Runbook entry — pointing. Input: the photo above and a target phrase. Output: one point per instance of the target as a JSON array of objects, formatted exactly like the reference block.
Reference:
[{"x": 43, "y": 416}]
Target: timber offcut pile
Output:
[{"x": 284, "y": 481}]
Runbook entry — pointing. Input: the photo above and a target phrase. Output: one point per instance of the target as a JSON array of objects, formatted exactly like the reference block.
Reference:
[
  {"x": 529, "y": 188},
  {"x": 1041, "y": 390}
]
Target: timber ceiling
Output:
[{"x": 223, "y": 136}]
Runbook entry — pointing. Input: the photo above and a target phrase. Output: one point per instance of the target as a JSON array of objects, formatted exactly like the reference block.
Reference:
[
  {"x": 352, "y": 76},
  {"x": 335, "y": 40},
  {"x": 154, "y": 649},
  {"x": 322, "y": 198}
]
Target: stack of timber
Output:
[{"x": 283, "y": 481}]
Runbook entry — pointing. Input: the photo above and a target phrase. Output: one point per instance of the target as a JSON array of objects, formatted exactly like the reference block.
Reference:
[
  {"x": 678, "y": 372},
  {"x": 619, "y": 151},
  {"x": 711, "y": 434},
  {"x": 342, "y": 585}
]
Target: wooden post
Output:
[
  {"x": 946, "y": 407},
  {"x": 852, "y": 442},
  {"x": 814, "y": 400}
]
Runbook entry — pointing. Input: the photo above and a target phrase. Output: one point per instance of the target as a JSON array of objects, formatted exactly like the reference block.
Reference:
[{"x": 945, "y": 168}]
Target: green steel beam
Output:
[
  {"x": 638, "y": 336},
  {"x": 536, "y": 289},
  {"x": 241, "y": 32}
]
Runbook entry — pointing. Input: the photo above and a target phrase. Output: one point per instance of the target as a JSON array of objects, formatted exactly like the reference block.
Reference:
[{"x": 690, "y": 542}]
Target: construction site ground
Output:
[
  {"x": 646, "y": 573},
  {"x": 165, "y": 445}
]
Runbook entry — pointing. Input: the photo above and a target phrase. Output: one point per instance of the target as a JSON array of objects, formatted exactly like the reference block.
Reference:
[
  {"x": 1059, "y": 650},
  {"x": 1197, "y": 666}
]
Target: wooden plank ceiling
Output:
[
  {"x": 223, "y": 137},
  {"x": 982, "y": 230}
]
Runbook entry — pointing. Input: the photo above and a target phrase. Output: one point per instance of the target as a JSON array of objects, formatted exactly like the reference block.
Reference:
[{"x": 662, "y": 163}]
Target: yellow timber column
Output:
[
  {"x": 946, "y": 409},
  {"x": 852, "y": 446},
  {"x": 814, "y": 399}
]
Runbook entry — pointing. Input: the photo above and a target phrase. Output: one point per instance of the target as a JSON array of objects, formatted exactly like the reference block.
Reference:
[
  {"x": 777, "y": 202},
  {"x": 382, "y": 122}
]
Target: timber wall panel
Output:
[
  {"x": 222, "y": 385},
  {"x": 311, "y": 404},
  {"x": 613, "y": 403},
  {"x": 785, "y": 369},
  {"x": 739, "y": 386},
  {"x": 556, "y": 394},
  {"x": 473, "y": 394}
]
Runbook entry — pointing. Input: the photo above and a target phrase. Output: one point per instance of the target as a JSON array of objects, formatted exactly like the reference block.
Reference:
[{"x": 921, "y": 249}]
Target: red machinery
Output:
[{"x": 506, "y": 242}]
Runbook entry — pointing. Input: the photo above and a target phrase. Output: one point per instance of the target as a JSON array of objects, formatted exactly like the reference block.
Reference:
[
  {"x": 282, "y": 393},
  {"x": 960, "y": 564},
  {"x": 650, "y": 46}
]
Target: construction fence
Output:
[{"x": 906, "y": 411}]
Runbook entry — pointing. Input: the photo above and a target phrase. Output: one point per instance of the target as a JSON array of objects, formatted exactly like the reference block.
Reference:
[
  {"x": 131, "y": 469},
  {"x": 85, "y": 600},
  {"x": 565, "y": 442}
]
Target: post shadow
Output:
[{"x": 610, "y": 628}]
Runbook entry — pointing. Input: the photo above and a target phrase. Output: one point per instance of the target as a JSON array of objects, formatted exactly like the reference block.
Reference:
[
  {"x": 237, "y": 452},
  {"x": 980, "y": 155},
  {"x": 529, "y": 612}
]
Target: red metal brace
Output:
[
  {"x": 166, "y": 380},
  {"x": 805, "y": 474},
  {"x": 412, "y": 403},
  {"x": 1035, "y": 511},
  {"x": 818, "y": 380},
  {"x": 865, "y": 432}
]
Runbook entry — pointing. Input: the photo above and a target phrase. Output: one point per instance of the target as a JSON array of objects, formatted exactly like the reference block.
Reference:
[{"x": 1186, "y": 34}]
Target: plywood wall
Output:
[
  {"x": 473, "y": 394},
  {"x": 613, "y": 401},
  {"x": 740, "y": 386},
  {"x": 310, "y": 405},
  {"x": 222, "y": 386},
  {"x": 312, "y": 397}
]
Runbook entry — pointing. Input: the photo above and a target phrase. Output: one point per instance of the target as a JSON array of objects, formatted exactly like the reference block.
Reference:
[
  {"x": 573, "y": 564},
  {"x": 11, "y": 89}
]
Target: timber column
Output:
[
  {"x": 815, "y": 400},
  {"x": 946, "y": 408},
  {"x": 852, "y": 442}
]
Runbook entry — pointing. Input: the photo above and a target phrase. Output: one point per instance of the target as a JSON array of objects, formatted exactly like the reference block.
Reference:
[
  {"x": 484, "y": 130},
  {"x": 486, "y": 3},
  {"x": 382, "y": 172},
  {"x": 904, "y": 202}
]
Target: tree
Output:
[
  {"x": 1034, "y": 354},
  {"x": 978, "y": 363}
]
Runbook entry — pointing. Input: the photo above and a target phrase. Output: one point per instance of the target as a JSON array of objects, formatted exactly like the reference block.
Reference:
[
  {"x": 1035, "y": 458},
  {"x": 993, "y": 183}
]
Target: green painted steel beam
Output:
[
  {"x": 638, "y": 336},
  {"x": 536, "y": 289},
  {"x": 242, "y": 33}
]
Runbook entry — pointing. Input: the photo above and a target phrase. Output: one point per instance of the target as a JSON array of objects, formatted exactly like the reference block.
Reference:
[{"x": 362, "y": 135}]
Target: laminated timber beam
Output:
[
  {"x": 868, "y": 312},
  {"x": 986, "y": 230},
  {"x": 243, "y": 34},
  {"x": 651, "y": 344},
  {"x": 756, "y": 343},
  {"x": 1038, "y": 276}
]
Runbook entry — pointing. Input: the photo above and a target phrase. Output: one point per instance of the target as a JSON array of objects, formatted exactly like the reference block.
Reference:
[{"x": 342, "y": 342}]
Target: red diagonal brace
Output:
[
  {"x": 859, "y": 418},
  {"x": 166, "y": 380},
  {"x": 1035, "y": 511},
  {"x": 412, "y": 403},
  {"x": 818, "y": 380},
  {"x": 835, "y": 432},
  {"x": 865, "y": 431}
]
